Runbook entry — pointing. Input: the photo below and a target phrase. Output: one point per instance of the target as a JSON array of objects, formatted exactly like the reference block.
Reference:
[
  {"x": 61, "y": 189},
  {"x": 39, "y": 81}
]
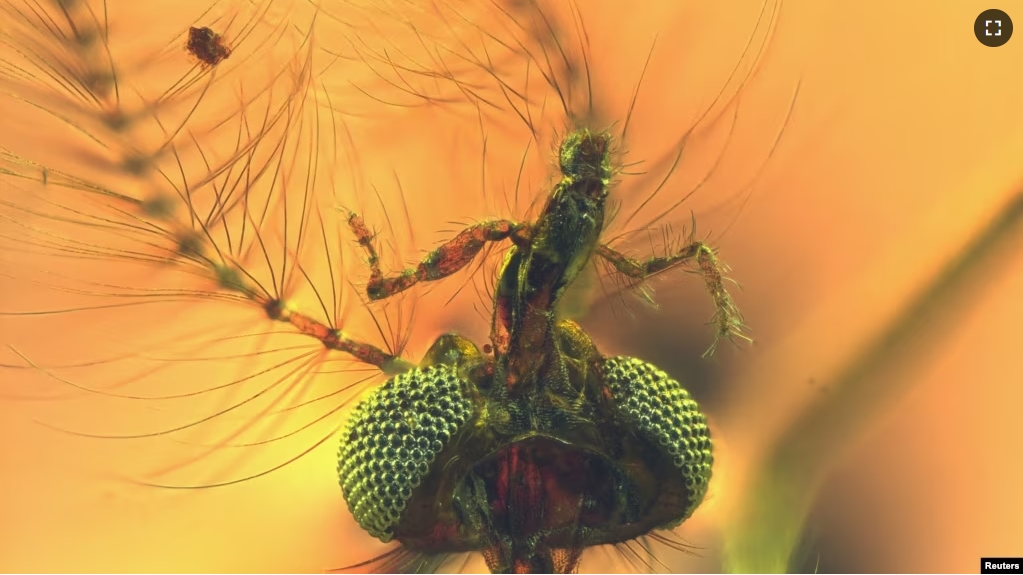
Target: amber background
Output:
[{"x": 905, "y": 140}]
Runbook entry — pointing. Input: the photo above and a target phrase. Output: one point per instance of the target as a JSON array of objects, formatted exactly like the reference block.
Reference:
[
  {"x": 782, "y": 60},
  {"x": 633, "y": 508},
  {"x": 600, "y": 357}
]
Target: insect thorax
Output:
[{"x": 562, "y": 240}]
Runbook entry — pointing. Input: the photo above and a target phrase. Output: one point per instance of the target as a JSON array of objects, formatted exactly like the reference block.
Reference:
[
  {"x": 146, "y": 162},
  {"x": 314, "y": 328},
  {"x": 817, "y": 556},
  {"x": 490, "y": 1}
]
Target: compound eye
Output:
[
  {"x": 658, "y": 408},
  {"x": 391, "y": 440}
]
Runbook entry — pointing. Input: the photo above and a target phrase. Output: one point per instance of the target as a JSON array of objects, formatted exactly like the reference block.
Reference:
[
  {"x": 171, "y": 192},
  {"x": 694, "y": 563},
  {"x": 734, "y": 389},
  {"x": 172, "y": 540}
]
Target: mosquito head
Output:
[
  {"x": 585, "y": 156},
  {"x": 443, "y": 460}
]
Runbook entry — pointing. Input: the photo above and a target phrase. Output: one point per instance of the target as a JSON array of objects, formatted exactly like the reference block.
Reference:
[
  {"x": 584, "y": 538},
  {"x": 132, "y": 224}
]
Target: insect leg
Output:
[
  {"x": 447, "y": 259},
  {"x": 333, "y": 338},
  {"x": 727, "y": 320}
]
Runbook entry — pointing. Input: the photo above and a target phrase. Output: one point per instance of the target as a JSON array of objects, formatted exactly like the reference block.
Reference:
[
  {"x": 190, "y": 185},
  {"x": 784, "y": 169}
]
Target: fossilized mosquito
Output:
[
  {"x": 547, "y": 403},
  {"x": 533, "y": 446},
  {"x": 538, "y": 446}
]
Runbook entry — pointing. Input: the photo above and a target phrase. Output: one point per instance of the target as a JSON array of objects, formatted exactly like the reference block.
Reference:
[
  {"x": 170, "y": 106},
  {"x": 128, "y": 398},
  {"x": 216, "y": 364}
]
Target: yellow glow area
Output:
[{"x": 904, "y": 143}]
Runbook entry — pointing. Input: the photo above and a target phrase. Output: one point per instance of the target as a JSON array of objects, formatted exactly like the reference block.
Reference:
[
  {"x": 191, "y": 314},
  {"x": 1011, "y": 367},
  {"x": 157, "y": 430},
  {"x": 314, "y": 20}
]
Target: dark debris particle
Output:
[{"x": 208, "y": 46}]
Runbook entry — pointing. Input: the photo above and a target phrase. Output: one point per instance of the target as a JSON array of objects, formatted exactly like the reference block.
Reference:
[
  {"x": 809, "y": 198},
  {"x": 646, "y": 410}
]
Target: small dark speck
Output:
[{"x": 208, "y": 46}]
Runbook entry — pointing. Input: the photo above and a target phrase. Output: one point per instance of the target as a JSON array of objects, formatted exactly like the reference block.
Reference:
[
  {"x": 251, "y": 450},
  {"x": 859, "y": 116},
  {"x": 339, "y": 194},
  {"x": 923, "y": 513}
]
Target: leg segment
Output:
[
  {"x": 332, "y": 338},
  {"x": 441, "y": 262},
  {"x": 727, "y": 320}
]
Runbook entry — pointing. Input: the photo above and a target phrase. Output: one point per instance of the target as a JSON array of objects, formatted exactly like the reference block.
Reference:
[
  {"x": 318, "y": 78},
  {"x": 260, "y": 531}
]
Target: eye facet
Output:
[
  {"x": 660, "y": 409},
  {"x": 377, "y": 499}
]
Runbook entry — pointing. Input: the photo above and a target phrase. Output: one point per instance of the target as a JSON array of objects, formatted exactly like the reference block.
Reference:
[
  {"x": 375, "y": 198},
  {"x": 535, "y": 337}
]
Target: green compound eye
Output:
[
  {"x": 391, "y": 440},
  {"x": 657, "y": 407}
]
